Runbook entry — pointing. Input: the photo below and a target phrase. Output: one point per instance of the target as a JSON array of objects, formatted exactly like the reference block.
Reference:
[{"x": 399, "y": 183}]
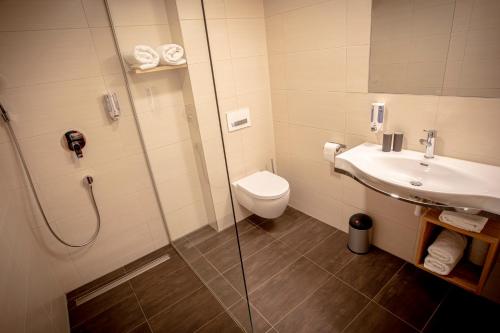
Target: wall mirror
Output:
[{"x": 435, "y": 47}]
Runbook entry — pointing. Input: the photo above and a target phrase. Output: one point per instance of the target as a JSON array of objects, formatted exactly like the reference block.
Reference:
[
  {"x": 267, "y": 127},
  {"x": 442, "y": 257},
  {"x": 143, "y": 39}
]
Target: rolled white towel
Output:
[
  {"x": 448, "y": 246},
  {"x": 438, "y": 267},
  {"x": 171, "y": 54},
  {"x": 143, "y": 57},
  {"x": 468, "y": 222}
]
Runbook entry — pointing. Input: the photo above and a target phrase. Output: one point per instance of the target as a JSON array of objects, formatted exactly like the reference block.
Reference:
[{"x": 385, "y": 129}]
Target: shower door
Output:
[{"x": 177, "y": 114}]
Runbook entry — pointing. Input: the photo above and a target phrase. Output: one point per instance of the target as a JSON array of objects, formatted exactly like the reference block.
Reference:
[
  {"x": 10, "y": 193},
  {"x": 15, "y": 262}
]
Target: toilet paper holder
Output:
[{"x": 340, "y": 147}]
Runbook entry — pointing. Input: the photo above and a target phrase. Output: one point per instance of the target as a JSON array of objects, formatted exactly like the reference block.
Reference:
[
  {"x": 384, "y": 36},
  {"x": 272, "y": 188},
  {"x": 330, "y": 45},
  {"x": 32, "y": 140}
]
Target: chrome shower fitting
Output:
[{"x": 87, "y": 179}]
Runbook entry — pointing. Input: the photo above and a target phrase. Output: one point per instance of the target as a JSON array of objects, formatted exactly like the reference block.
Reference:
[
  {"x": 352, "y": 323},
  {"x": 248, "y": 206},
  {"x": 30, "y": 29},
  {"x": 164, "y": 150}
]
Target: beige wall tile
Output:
[
  {"x": 247, "y": 37},
  {"x": 38, "y": 15},
  {"x": 316, "y": 27},
  {"x": 40, "y": 63},
  {"x": 215, "y": 9},
  {"x": 244, "y": 8},
  {"x": 323, "y": 70},
  {"x": 219, "y": 39},
  {"x": 475, "y": 116},
  {"x": 275, "y": 30},
  {"x": 189, "y": 9},
  {"x": 358, "y": 22},
  {"x": 224, "y": 79},
  {"x": 358, "y": 58},
  {"x": 106, "y": 51},
  {"x": 96, "y": 13},
  {"x": 130, "y": 12},
  {"x": 195, "y": 43},
  {"x": 251, "y": 74},
  {"x": 317, "y": 109},
  {"x": 279, "y": 105}
]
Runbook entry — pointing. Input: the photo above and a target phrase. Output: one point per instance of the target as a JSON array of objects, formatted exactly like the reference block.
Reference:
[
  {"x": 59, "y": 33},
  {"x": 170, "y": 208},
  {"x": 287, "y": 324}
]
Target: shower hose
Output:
[{"x": 87, "y": 179}]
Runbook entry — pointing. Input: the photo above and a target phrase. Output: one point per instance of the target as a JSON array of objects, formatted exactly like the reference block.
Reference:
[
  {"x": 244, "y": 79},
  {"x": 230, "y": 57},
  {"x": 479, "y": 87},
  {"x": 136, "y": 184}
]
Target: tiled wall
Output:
[
  {"x": 60, "y": 60},
  {"x": 318, "y": 55},
  {"x": 33, "y": 300}
]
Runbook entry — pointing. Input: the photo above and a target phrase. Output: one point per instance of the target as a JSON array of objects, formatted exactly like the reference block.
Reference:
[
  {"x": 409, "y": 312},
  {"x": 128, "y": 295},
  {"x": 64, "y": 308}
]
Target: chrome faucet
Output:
[{"x": 429, "y": 143}]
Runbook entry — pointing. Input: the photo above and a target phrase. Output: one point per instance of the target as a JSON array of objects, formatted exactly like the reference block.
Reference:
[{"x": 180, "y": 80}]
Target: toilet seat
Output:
[{"x": 264, "y": 185}]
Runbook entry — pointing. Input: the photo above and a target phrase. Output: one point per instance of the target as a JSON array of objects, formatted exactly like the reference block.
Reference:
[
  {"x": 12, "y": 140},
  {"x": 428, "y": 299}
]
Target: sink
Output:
[{"x": 440, "y": 182}]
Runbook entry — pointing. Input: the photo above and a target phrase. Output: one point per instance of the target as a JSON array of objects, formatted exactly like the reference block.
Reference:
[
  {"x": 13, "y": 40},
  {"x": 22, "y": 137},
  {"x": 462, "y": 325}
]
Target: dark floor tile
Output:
[
  {"x": 374, "y": 319},
  {"x": 253, "y": 241},
  {"x": 204, "y": 269},
  {"x": 121, "y": 317},
  {"x": 462, "y": 311},
  {"x": 101, "y": 303},
  {"x": 332, "y": 253},
  {"x": 290, "y": 212},
  {"x": 413, "y": 295},
  {"x": 148, "y": 258},
  {"x": 240, "y": 313},
  {"x": 224, "y": 291},
  {"x": 261, "y": 266},
  {"x": 189, "y": 314},
  {"x": 223, "y": 323},
  {"x": 330, "y": 309},
  {"x": 227, "y": 255},
  {"x": 370, "y": 272},
  {"x": 287, "y": 289},
  {"x": 186, "y": 249},
  {"x": 143, "y": 328},
  {"x": 279, "y": 226},
  {"x": 72, "y": 295},
  {"x": 222, "y": 237},
  {"x": 159, "y": 288},
  {"x": 307, "y": 234}
]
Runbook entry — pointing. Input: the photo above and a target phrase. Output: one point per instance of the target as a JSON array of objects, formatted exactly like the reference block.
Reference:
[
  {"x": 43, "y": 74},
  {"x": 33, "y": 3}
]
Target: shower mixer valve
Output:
[{"x": 76, "y": 142}]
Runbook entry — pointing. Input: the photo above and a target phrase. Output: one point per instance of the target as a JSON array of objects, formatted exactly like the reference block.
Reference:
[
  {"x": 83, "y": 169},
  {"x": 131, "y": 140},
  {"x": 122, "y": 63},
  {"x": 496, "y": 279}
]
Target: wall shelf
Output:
[
  {"x": 465, "y": 275},
  {"x": 158, "y": 69}
]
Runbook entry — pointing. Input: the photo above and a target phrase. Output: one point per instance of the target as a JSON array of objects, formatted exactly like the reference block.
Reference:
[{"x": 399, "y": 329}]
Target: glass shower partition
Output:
[{"x": 176, "y": 109}]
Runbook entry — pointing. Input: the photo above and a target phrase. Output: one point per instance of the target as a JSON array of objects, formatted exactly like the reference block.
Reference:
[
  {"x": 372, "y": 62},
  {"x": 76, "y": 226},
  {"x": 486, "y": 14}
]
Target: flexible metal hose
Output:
[{"x": 88, "y": 179}]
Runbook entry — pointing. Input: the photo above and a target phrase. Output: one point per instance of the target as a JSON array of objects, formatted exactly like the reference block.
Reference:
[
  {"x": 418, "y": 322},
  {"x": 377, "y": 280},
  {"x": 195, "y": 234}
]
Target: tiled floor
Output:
[
  {"x": 300, "y": 278},
  {"x": 166, "y": 298}
]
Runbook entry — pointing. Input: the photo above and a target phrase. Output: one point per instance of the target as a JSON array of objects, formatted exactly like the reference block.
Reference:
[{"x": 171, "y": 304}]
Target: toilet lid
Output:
[{"x": 264, "y": 185}]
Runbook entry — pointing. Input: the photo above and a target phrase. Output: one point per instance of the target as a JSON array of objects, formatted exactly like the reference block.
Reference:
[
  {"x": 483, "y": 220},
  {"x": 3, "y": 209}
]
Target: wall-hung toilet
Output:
[{"x": 263, "y": 193}]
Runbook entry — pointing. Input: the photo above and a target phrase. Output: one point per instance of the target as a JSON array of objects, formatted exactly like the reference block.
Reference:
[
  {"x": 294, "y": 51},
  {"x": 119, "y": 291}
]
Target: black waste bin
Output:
[{"x": 359, "y": 233}]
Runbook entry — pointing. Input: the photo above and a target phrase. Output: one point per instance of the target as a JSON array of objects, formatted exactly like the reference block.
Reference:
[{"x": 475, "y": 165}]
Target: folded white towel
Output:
[
  {"x": 448, "y": 246},
  {"x": 468, "y": 222},
  {"x": 143, "y": 57},
  {"x": 171, "y": 54},
  {"x": 437, "y": 266}
]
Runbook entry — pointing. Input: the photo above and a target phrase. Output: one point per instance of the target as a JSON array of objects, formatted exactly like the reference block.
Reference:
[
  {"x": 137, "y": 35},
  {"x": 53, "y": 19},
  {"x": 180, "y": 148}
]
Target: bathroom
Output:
[{"x": 197, "y": 165}]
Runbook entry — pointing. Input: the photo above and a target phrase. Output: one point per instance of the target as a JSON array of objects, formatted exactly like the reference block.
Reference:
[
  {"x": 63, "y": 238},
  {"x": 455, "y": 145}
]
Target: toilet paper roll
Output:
[{"x": 330, "y": 150}]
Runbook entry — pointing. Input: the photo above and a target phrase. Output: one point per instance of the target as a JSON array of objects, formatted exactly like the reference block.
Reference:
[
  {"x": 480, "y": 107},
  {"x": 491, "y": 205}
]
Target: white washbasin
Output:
[{"x": 437, "y": 182}]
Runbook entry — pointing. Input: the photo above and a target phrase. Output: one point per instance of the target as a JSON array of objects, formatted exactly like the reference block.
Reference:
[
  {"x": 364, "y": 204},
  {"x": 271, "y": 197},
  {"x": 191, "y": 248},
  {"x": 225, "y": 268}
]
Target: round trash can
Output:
[{"x": 359, "y": 233}]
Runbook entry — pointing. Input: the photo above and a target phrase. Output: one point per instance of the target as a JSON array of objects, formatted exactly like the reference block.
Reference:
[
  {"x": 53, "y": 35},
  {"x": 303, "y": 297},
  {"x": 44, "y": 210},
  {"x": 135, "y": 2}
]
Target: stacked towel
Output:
[
  {"x": 468, "y": 222},
  {"x": 171, "y": 54},
  {"x": 445, "y": 252},
  {"x": 143, "y": 57}
]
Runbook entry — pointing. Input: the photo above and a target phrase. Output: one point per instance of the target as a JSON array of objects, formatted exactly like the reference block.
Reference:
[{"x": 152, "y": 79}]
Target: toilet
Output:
[{"x": 263, "y": 193}]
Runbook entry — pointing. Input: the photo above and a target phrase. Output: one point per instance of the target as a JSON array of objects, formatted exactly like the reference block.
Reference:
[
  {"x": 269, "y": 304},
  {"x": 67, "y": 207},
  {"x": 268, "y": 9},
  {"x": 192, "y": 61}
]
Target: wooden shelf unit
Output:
[
  {"x": 465, "y": 275},
  {"x": 158, "y": 69}
]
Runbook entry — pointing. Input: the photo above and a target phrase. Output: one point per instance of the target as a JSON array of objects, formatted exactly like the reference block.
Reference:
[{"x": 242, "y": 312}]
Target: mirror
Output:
[{"x": 435, "y": 47}]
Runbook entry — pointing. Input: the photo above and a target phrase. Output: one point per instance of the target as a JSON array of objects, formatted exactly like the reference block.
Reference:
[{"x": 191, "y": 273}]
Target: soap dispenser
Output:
[{"x": 377, "y": 117}]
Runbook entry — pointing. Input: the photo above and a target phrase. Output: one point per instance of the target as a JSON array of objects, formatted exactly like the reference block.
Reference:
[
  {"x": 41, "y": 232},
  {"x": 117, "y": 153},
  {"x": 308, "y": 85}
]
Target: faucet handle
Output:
[{"x": 431, "y": 132}]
